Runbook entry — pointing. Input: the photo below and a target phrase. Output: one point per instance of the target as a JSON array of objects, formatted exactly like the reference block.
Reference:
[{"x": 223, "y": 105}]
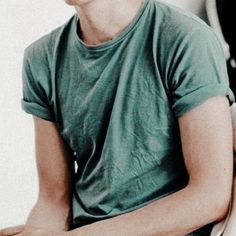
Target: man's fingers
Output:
[{"x": 10, "y": 231}]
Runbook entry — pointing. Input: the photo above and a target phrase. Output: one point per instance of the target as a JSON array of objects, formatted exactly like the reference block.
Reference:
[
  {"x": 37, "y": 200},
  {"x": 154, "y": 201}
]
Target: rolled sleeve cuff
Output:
[
  {"x": 197, "y": 97},
  {"x": 37, "y": 110}
]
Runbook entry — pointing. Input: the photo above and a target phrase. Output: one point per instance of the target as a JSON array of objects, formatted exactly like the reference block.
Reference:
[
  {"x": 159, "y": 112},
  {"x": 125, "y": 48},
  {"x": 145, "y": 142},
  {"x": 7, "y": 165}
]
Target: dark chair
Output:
[{"x": 222, "y": 17}]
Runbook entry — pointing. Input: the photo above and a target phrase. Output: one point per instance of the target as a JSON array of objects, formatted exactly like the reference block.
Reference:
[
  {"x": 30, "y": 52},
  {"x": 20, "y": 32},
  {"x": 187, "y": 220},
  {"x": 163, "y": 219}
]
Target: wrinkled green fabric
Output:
[{"x": 116, "y": 104}]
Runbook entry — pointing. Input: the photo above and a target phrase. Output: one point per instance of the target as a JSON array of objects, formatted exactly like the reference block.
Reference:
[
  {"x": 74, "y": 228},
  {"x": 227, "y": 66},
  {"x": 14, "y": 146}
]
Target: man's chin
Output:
[{"x": 77, "y": 2}]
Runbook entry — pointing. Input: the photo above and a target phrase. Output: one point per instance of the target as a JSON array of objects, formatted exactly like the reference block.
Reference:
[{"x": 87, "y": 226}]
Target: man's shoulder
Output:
[
  {"x": 180, "y": 28},
  {"x": 178, "y": 17},
  {"x": 46, "y": 44},
  {"x": 178, "y": 24}
]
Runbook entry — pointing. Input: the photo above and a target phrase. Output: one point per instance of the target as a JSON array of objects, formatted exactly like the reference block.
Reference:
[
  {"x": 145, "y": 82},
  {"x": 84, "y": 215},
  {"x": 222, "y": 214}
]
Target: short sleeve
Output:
[
  {"x": 198, "y": 71},
  {"x": 35, "y": 100}
]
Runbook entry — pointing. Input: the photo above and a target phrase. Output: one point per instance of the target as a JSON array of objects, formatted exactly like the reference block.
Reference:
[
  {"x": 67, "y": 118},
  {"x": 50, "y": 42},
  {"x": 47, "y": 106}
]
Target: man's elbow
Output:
[
  {"x": 218, "y": 202},
  {"x": 212, "y": 199},
  {"x": 221, "y": 205}
]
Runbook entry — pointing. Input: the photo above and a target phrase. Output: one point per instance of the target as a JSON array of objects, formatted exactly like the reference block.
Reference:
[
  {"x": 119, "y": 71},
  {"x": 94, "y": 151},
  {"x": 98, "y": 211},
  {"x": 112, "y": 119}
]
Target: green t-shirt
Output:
[{"x": 116, "y": 104}]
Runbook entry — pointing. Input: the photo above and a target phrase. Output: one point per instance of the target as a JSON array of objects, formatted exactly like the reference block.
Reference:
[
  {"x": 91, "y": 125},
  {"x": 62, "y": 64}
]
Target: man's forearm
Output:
[
  {"x": 177, "y": 214},
  {"x": 50, "y": 215},
  {"x": 47, "y": 218}
]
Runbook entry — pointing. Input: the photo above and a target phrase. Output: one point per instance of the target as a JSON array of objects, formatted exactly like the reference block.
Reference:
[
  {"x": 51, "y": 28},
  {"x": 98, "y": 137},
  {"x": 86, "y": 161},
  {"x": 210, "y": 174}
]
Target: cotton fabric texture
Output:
[{"x": 116, "y": 104}]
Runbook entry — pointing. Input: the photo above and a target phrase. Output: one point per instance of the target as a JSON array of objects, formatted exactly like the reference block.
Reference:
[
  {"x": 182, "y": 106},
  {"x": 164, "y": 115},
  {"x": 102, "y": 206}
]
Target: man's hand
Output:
[
  {"x": 12, "y": 230},
  {"x": 25, "y": 230}
]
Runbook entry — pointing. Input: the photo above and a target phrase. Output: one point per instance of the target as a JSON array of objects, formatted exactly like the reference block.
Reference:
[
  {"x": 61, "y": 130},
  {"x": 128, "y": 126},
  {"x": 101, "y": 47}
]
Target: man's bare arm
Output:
[
  {"x": 55, "y": 170},
  {"x": 51, "y": 213},
  {"x": 206, "y": 134}
]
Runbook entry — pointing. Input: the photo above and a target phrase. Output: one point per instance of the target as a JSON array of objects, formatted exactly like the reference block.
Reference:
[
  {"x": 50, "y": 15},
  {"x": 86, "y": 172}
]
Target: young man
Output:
[{"x": 136, "y": 93}]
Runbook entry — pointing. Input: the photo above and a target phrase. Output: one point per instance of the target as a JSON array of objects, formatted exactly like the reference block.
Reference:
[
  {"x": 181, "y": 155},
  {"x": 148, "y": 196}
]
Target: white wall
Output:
[{"x": 22, "y": 22}]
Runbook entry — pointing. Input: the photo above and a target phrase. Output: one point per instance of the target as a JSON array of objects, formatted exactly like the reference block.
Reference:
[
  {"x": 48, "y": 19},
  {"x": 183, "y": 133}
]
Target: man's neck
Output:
[{"x": 102, "y": 20}]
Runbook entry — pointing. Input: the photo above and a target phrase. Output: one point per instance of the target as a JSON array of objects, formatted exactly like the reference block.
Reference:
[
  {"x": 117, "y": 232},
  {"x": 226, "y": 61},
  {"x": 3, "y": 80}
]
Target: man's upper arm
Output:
[
  {"x": 206, "y": 135},
  {"x": 54, "y": 161}
]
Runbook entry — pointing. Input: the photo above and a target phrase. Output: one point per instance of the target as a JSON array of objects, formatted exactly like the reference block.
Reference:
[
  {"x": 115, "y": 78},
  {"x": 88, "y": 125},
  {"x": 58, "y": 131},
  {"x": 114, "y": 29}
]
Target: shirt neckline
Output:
[{"x": 81, "y": 45}]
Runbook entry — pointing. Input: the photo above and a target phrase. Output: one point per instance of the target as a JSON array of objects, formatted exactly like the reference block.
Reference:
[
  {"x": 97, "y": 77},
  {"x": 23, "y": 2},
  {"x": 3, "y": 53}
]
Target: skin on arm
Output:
[
  {"x": 55, "y": 171},
  {"x": 206, "y": 134}
]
